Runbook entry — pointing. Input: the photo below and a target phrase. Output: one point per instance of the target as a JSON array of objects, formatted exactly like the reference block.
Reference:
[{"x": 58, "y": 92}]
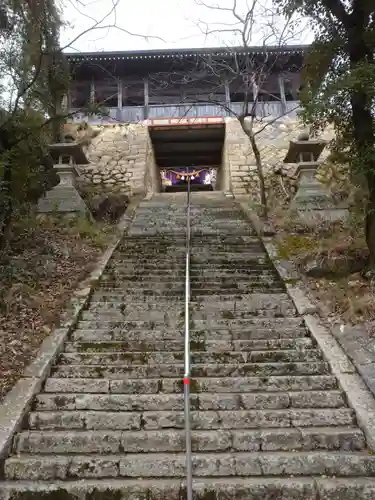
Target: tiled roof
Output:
[{"x": 184, "y": 53}]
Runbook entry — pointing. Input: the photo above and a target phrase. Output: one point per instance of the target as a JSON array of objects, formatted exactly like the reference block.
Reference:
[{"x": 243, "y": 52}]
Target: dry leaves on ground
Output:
[
  {"x": 329, "y": 258},
  {"x": 45, "y": 261}
]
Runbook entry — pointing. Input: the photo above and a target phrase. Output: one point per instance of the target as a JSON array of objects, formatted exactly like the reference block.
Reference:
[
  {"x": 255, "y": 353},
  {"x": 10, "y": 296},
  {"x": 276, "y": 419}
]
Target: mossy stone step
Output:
[
  {"x": 169, "y": 465},
  {"x": 229, "y": 488},
  {"x": 202, "y": 401},
  {"x": 198, "y": 357},
  {"x": 203, "y": 370},
  {"x": 217, "y": 385},
  {"x": 139, "y": 441},
  {"x": 195, "y": 346}
]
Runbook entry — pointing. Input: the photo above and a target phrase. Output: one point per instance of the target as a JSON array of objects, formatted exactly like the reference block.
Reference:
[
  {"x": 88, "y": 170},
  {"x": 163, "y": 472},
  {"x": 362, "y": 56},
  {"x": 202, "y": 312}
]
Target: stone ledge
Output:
[
  {"x": 17, "y": 402},
  {"x": 360, "y": 399},
  {"x": 13, "y": 410},
  {"x": 360, "y": 348}
]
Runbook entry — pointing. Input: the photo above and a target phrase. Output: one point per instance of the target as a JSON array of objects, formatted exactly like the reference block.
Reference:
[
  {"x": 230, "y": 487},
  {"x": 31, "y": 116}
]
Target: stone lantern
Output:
[
  {"x": 64, "y": 198},
  {"x": 313, "y": 200}
]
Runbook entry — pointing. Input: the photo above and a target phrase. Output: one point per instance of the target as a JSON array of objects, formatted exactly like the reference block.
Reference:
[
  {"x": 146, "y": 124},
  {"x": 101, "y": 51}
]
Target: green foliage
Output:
[
  {"x": 34, "y": 80},
  {"x": 28, "y": 179},
  {"x": 339, "y": 87},
  {"x": 340, "y": 72}
]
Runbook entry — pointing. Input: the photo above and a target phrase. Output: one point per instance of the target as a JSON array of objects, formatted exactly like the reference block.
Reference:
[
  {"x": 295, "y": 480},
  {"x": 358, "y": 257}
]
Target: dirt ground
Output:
[{"x": 44, "y": 262}]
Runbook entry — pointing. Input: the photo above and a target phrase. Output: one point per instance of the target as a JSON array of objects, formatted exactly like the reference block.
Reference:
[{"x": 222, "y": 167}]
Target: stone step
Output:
[
  {"x": 161, "y": 286},
  {"x": 277, "y": 311},
  {"x": 206, "y": 266},
  {"x": 167, "y": 273},
  {"x": 176, "y": 292},
  {"x": 248, "y": 324},
  {"x": 202, "y": 271},
  {"x": 211, "y": 306},
  {"x": 201, "y": 278},
  {"x": 246, "y": 302},
  {"x": 197, "y": 385},
  {"x": 216, "y": 286},
  {"x": 161, "y": 249},
  {"x": 255, "y": 260},
  {"x": 229, "y": 266},
  {"x": 138, "y": 441},
  {"x": 203, "y": 293},
  {"x": 176, "y": 315},
  {"x": 195, "y": 346},
  {"x": 168, "y": 316},
  {"x": 198, "y": 357},
  {"x": 128, "y": 331},
  {"x": 172, "y": 314},
  {"x": 180, "y": 240},
  {"x": 204, "y": 370},
  {"x": 244, "y": 251},
  {"x": 179, "y": 231},
  {"x": 201, "y": 401},
  {"x": 147, "y": 267},
  {"x": 204, "y": 420},
  {"x": 169, "y": 465},
  {"x": 238, "y": 488}
]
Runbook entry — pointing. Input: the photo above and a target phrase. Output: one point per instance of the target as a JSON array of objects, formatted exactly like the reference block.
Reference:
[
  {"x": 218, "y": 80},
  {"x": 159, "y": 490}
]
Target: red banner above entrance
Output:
[{"x": 195, "y": 120}]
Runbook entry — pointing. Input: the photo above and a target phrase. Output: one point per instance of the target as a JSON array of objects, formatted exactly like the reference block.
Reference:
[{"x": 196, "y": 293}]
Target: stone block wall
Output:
[
  {"x": 152, "y": 174},
  {"x": 122, "y": 158},
  {"x": 273, "y": 142},
  {"x": 118, "y": 159}
]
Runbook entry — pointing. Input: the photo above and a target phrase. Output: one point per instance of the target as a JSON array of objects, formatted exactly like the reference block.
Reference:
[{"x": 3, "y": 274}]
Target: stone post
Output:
[
  {"x": 312, "y": 200},
  {"x": 64, "y": 198}
]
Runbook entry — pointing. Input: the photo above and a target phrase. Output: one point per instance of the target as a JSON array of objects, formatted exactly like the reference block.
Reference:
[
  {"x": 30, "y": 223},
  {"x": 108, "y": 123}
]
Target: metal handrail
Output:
[{"x": 187, "y": 373}]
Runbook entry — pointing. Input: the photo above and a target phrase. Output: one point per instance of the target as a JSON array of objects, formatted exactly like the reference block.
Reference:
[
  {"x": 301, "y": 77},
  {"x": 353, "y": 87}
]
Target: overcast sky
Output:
[{"x": 166, "y": 23}]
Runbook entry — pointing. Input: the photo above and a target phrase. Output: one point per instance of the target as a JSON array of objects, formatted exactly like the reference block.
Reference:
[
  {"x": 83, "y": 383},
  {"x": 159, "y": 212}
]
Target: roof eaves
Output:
[{"x": 175, "y": 54}]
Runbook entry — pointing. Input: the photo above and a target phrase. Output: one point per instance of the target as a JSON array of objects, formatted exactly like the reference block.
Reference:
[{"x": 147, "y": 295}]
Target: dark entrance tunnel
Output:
[{"x": 188, "y": 151}]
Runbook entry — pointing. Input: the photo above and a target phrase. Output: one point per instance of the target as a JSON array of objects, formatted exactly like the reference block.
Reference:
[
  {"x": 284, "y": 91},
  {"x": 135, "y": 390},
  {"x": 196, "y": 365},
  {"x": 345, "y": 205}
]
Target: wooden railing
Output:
[{"x": 135, "y": 114}]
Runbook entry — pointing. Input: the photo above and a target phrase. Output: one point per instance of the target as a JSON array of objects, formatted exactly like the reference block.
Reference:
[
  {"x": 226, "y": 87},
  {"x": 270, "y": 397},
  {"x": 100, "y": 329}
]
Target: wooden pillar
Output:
[
  {"x": 282, "y": 93},
  {"x": 227, "y": 96},
  {"x": 119, "y": 93},
  {"x": 146, "y": 99},
  {"x": 92, "y": 93},
  {"x": 255, "y": 96}
]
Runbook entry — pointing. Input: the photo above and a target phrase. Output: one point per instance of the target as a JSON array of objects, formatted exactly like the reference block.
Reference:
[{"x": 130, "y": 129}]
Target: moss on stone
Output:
[
  {"x": 227, "y": 314},
  {"x": 61, "y": 401},
  {"x": 44, "y": 495},
  {"x": 194, "y": 386},
  {"x": 197, "y": 345},
  {"x": 105, "y": 495},
  {"x": 294, "y": 244},
  {"x": 291, "y": 281}
]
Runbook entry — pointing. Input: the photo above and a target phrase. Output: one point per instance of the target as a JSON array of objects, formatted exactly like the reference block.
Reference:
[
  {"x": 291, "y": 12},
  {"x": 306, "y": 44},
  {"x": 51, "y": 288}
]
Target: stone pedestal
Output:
[
  {"x": 313, "y": 201},
  {"x": 64, "y": 198}
]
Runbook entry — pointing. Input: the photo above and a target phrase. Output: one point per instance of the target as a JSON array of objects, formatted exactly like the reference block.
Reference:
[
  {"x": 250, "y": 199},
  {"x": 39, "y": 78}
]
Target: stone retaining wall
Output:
[
  {"x": 117, "y": 159},
  {"x": 121, "y": 157},
  {"x": 273, "y": 143}
]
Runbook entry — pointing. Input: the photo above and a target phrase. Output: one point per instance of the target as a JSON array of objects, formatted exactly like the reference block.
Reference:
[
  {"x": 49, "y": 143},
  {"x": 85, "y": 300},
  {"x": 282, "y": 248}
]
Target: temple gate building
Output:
[{"x": 185, "y": 97}]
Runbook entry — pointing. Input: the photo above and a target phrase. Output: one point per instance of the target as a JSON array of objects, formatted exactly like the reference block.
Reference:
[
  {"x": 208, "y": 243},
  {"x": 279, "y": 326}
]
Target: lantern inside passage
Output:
[
  {"x": 199, "y": 178},
  {"x": 188, "y": 154}
]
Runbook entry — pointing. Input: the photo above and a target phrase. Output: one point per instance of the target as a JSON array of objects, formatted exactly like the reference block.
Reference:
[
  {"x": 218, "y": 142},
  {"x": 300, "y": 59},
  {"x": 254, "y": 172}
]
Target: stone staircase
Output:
[{"x": 269, "y": 419}]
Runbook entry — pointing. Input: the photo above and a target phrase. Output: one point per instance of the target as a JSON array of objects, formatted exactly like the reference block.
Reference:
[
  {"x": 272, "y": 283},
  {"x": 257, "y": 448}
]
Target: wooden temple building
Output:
[{"x": 132, "y": 86}]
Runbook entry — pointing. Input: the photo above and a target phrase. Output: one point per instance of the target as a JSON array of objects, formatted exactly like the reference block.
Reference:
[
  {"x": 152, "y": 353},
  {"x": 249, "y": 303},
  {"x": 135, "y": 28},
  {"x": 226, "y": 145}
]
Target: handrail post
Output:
[{"x": 187, "y": 374}]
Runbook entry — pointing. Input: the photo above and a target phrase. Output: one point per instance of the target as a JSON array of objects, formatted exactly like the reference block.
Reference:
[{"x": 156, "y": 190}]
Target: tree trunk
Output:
[
  {"x": 370, "y": 222},
  {"x": 7, "y": 204},
  {"x": 258, "y": 161},
  {"x": 360, "y": 52},
  {"x": 262, "y": 185}
]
